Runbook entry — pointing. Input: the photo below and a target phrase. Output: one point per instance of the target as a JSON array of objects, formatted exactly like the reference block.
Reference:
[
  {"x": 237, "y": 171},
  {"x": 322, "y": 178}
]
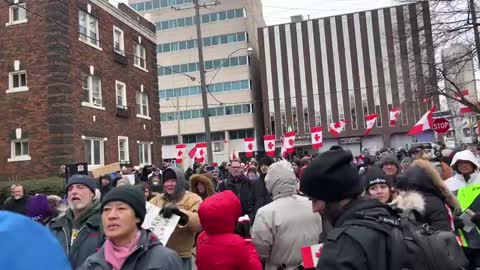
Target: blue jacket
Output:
[{"x": 27, "y": 245}]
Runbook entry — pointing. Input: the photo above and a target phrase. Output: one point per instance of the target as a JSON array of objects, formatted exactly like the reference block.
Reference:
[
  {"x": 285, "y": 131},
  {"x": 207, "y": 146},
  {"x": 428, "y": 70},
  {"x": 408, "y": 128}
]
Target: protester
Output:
[
  {"x": 218, "y": 246},
  {"x": 465, "y": 185},
  {"x": 424, "y": 179},
  {"x": 10, "y": 197},
  {"x": 123, "y": 181},
  {"x": 262, "y": 197},
  {"x": 26, "y": 245},
  {"x": 18, "y": 203},
  {"x": 79, "y": 231},
  {"x": 239, "y": 184},
  {"x": 176, "y": 200},
  {"x": 389, "y": 164},
  {"x": 202, "y": 185},
  {"x": 128, "y": 246},
  {"x": 335, "y": 188},
  {"x": 145, "y": 188},
  {"x": 284, "y": 226},
  {"x": 377, "y": 186},
  {"x": 40, "y": 210},
  {"x": 155, "y": 181},
  {"x": 105, "y": 184},
  {"x": 57, "y": 204},
  {"x": 405, "y": 164},
  {"x": 296, "y": 167},
  {"x": 252, "y": 174}
]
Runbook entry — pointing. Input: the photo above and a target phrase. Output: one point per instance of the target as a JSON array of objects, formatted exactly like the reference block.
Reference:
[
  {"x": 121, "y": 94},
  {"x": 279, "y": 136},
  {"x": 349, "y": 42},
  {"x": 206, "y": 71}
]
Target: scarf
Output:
[{"x": 116, "y": 256}]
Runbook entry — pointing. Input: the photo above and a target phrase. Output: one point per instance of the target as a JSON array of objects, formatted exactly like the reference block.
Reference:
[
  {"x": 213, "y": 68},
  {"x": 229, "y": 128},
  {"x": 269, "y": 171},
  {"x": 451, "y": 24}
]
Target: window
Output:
[
  {"x": 121, "y": 94},
  {"x": 17, "y": 81},
  {"x": 19, "y": 151},
  {"x": 140, "y": 57},
  {"x": 142, "y": 105},
  {"x": 144, "y": 153},
  {"x": 17, "y": 14},
  {"x": 171, "y": 140},
  {"x": 92, "y": 91},
  {"x": 123, "y": 153},
  {"x": 89, "y": 29},
  {"x": 94, "y": 152},
  {"x": 118, "y": 40}
]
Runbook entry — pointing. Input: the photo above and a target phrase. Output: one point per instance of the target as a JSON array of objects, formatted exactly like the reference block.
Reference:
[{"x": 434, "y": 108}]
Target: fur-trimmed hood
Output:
[
  {"x": 203, "y": 179},
  {"x": 423, "y": 177},
  {"x": 409, "y": 200}
]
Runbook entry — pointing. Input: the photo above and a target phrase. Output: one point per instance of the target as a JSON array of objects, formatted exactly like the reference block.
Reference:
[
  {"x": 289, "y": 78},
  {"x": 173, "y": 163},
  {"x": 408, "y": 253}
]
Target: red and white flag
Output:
[
  {"x": 269, "y": 144},
  {"x": 289, "y": 141},
  {"x": 249, "y": 146},
  {"x": 464, "y": 109},
  {"x": 425, "y": 123},
  {"x": 201, "y": 152},
  {"x": 337, "y": 128},
  {"x": 310, "y": 255},
  {"x": 234, "y": 155},
  {"x": 193, "y": 152},
  {"x": 370, "y": 119},
  {"x": 317, "y": 137},
  {"x": 180, "y": 152},
  {"x": 394, "y": 115}
]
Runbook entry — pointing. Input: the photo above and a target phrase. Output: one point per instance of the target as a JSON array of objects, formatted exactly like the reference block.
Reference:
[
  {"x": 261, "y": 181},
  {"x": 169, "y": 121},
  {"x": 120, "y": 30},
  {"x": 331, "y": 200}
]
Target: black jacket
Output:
[
  {"x": 244, "y": 189},
  {"x": 17, "y": 206},
  {"x": 356, "y": 247},
  {"x": 150, "y": 254},
  {"x": 262, "y": 197}
]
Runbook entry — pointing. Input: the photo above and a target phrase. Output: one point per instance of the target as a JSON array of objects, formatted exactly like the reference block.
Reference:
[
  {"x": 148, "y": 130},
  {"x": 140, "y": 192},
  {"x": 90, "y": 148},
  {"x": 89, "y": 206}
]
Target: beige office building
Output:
[{"x": 230, "y": 49}]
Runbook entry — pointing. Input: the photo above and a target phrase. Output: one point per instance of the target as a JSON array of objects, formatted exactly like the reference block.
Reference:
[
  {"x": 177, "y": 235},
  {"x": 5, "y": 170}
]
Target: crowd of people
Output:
[{"x": 255, "y": 214}]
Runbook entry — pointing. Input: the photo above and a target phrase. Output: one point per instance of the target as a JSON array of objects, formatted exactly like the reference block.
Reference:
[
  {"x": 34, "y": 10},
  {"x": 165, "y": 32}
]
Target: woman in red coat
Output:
[{"x": 218, "y": 246}]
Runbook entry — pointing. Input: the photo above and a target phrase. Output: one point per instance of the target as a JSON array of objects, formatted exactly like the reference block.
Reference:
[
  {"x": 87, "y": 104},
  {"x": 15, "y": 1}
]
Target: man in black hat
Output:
[
  {"x": 335, "y": 188},
  {"x": 79, "y": 230}
]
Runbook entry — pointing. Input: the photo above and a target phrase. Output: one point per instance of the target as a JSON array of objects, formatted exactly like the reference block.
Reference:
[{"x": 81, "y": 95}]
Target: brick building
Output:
[{"x": 78, "y": 83}]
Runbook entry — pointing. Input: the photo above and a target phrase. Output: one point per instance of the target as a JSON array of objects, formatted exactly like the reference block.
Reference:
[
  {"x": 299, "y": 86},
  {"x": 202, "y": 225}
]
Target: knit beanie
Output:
[
  {"x": 131, "y": 195},
  {"x": 374, "y": 176},
  {"x": 331, "y": 177},
  {"x": 38, "y": 208},
  {"x": 169, "y": 174},
  {"x": 82, "y": 179}
]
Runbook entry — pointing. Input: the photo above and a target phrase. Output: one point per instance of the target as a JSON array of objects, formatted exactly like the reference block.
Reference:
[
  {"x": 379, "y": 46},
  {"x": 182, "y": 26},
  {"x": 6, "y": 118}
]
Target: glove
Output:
[
  {"x": 476, "y": 219},
  {"x": 458, "y": 222},
  {"x": 243, "y": 227},
  {"x": 171, "y": 209}
]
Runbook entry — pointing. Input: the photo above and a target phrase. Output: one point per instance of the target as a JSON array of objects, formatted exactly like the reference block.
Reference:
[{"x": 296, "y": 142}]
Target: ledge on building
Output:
[
  {"x": 20, "y": 158},
  {"x": 16, "y": 22},
  {"x": 144, "y": 117},
  {"x": 141, "y": 68},
  {"x": 122, "y": 112},
  {"x": 90, "y": 105},
  {"x": 18, "y": 89},
  {"x": 119, "y": 57},
  {"x": 90, "y": 44}
]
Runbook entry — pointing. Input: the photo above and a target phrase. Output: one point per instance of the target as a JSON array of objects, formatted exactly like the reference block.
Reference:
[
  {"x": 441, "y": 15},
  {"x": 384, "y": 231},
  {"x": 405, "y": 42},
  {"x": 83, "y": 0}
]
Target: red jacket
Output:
[{"x": 218, "y": 247}]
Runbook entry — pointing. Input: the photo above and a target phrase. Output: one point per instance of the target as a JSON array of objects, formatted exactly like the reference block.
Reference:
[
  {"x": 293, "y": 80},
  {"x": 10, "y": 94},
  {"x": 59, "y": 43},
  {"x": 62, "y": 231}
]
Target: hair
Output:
[{"x": 235, "y": 160}]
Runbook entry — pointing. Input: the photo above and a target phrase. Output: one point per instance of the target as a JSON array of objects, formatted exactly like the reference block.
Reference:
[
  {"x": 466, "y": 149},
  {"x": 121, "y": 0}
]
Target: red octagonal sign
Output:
[{"x": 441, "y": 125}]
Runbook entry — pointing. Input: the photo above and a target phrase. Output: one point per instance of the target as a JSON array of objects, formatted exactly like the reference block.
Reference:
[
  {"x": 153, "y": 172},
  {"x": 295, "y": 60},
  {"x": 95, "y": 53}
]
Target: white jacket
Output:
[
  {"x": 284, "y": 226},
  {"x": 458, "y": 181}
]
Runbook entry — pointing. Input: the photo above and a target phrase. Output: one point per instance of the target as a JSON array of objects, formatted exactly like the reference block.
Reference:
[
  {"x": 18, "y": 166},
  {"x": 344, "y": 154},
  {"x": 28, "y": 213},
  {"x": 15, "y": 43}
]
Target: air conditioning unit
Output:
[{"x": 97, "y": 102}]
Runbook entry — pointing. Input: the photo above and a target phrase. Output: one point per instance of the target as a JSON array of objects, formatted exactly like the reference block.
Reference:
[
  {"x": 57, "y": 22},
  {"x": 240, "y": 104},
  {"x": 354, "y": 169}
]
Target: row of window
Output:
[
  {"x": 207, "y": 42},
  {"x": 157, "y": 4},
  {"x": 206, "y": 18},
  {"x": 216, "y": 137},
  {"x": 217, "y": 111},
  {"x": 209, "y": 65},
  {"x": 94, "y": 151},
  {"x": 197, "y": 90}
]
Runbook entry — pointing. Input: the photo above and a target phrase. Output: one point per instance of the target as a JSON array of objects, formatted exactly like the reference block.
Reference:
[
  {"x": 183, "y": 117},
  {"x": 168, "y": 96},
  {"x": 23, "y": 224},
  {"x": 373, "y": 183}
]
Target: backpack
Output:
[{"x": 414, "y": 246}]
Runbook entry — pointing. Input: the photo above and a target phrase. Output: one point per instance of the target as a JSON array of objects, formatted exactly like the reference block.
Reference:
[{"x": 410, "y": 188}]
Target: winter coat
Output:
[
  {"x": 203, "y": 179},
  {"x": 150, "y": 254},
  {"x": 262, "y": 197},
  {"x": 358, "y": 247},
  {"x": 284, "y": 226},
  {"x": 218, "y": 247},
  {"x": 244, "y": 189},
  {"x": 16, "y": 206},
  {"x": 89, "y": 239},
  {"x": 26, "y": 245},
  {"x": 425, "y": 179},
  {"x": 458, "y": 180},
  {"x": 183, "y": 237}
]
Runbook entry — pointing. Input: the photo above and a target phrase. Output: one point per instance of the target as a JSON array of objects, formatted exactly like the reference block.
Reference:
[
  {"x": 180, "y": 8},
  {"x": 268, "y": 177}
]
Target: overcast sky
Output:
[{"x": 279, "y": 11}]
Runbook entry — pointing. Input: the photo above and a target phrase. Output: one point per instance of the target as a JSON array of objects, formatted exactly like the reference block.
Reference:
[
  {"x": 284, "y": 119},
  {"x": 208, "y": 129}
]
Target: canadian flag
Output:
[
  {"x": 201, "y": 151},
  {"x": 289, "y": 141},
  {"x": 180, "y": 151},
  {"x": 425, "y": 123},
  {"x": 317, "y": 137},
  {"x": 337, "y": 128},
  {"x": 310, "y": 255},
  {"x": 394, "y": 115},
  {"x": 234, "y": 155},
  {"x": 192, "y": 153},
  {"x": 269, "y": 143},
  {"x": 370, "y": 120},
  {"x": 249, "y": 146},
  {"x": 464, "y": 109}
]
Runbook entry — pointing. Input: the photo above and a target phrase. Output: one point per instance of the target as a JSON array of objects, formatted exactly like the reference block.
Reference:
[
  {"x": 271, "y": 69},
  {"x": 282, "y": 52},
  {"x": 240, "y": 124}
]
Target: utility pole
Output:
[
  {"x": 473, "y": 10},
  {"x": 179, "y": 131}
]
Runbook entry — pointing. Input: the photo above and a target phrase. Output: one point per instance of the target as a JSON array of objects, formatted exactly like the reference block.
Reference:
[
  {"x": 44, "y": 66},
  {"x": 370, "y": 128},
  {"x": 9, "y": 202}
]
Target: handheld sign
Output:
[
  {"x": 108, "y": 169},
  {"x": 162, "y": 227}
]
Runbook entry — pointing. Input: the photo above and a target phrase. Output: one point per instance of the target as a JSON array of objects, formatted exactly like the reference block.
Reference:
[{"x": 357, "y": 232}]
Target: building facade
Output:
[
  {"x": 345, "y": 67},
  {"x": 229, "y": 29},
  {"x": 78, "y": 83}
]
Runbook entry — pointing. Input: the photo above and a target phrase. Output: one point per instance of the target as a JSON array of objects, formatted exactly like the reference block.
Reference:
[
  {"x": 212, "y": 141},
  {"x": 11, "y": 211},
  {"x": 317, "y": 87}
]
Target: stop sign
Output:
[{"x": 441, "y": 125}]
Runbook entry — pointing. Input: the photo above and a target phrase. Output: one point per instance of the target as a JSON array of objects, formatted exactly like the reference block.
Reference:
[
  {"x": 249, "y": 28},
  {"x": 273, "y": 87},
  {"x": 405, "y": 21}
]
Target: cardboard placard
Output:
[
  {"x": 108, "y": 169},
  {"x": 162, "y": 227}
]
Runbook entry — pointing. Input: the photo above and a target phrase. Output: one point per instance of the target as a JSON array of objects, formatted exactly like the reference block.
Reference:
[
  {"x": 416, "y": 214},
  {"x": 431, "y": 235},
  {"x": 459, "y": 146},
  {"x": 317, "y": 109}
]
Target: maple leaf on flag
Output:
[
  {"x": 180, "y": 153},
  {"x": 337, "y": 125}
]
